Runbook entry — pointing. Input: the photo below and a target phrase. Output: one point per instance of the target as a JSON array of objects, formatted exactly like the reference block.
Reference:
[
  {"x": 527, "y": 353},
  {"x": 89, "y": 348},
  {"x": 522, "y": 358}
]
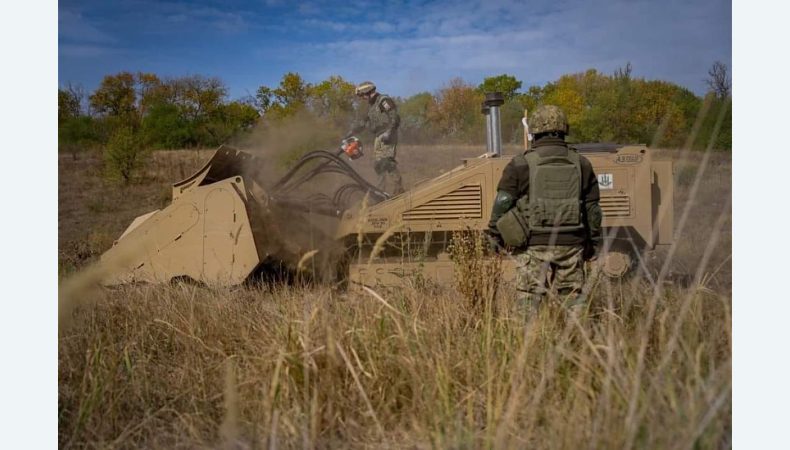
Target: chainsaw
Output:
[{"x": 351, "y": 147}]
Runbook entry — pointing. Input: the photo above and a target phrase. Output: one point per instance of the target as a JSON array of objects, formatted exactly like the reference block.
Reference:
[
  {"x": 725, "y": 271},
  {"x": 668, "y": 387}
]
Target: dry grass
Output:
[
  {"x": 419, "y": 367},
  {"x": 147, "y": 366},
  {"x": 93, "y": 211}
]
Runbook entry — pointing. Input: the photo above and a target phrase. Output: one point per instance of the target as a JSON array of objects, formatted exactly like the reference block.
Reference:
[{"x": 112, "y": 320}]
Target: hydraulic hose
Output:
[{"x": 321, "y": 203}]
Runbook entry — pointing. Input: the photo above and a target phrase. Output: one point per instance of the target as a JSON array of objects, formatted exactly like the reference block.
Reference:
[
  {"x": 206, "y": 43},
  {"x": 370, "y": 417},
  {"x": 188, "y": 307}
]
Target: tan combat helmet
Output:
[
  {"x": 548, "y": 118},
  {"x": 366, "y": 87}
]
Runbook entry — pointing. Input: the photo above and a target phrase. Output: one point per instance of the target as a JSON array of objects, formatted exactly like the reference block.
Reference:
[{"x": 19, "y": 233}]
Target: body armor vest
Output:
[
  {"x": 552, "y": 204},
  {"x": 554, "y": 192}
]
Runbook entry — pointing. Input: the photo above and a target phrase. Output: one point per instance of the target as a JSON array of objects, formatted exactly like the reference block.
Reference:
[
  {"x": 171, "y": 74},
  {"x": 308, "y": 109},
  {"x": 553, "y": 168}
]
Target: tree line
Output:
[
  {"x": 600, "y": 108},
  {"x": 129, "y": 114}
]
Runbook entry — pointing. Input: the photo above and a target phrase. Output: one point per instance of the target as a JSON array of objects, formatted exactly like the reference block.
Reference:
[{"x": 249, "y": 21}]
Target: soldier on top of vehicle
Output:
[
  {"x": 547, "y": 211},
  {"x": 383, "y": 121}
]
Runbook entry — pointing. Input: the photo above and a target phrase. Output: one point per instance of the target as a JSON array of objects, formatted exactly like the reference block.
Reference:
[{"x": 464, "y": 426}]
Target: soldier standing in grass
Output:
[
  {"x": 382, "y": 120},
  {"x": 546, "y": 210}
]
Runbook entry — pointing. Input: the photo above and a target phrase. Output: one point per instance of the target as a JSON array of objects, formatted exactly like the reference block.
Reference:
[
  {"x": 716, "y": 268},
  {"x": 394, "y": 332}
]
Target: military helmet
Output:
[
  {"x": 365, "y": 87},
  {"x": 547, "y": 118}
]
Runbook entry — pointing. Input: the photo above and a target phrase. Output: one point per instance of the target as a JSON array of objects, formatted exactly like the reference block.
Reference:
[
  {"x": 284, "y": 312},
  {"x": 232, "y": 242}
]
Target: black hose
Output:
[
  {"x": 336, "y": 165},
  {"x": 301, "y": 162},
  {"x": 310, "y": 175},
  {"x": 341, "y": 194}
]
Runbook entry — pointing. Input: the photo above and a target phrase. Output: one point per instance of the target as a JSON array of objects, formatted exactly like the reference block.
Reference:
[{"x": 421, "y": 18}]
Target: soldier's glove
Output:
[{"x": 385, "y": 137}]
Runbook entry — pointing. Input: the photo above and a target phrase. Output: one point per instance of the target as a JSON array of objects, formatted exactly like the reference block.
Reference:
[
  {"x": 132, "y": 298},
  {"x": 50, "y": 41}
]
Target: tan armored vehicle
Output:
[
  {"x": 632, "y": 189},
  {"x": 226, "y": 225}
]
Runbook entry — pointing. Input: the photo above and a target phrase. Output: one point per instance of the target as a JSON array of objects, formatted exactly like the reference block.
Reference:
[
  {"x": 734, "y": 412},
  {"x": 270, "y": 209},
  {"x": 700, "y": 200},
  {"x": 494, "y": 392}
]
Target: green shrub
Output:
[
  {"x": 77, "y": 134},
  {"x": 164, "y": 126},
  {"x": 125, "y": 154}
]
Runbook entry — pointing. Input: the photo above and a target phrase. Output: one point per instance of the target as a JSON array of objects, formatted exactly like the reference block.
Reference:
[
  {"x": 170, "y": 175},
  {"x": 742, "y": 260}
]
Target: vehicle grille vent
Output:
[
  {"x": 462, "y": 203},
  {"x": 616, "y": 206}
]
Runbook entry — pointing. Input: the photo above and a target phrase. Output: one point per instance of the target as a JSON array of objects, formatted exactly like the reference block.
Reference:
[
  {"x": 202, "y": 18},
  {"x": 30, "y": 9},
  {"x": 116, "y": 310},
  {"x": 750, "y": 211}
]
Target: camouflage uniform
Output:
[
  {"x": 541, "y": 266},
  {"x": 551, "y": 258},
  {"x": 383, "y": 121}
]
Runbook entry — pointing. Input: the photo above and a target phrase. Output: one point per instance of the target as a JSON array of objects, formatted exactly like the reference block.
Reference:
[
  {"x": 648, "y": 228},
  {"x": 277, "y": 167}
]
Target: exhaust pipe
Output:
[
  {"x": 494, "y": 127},
  {"x": 487, "y": 112}
]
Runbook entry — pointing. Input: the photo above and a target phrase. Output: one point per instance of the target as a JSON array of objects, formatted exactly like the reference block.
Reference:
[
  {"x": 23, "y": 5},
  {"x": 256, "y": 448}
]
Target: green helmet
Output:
[
  {"x": 548, "y": 118},
  {"x": 365, "y": 87}
]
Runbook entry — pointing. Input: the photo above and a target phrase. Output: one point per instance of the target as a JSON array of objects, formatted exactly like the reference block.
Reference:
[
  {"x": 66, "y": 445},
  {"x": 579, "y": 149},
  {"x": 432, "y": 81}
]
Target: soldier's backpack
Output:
[{"x": 552, "y": 204}]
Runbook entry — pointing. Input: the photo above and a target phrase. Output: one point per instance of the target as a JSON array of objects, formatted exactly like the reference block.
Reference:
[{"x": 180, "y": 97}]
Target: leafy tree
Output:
[
  {"x": 332, "y": 99},
  {"x": 239, "y": 115},
  {"x": 194, "y": 111},
  {"x": 508, "y": 85},
  {"x": 531, "y": 99},
  {"x": 293, "y": 90},
  {"x": 165, "y": 127},
  {"x": 708, "y": 135},
  {"x": 116, "y": 95},
  {"x": 78, "y": 133},
  {"x": 69, "y": 103},
  {"x": 456, "y": 112},
  {"x": 414, "y": 123},
  {"x": 299, "y": 116},
  {"x": 125, "y": 97},
  {"x": 264, "y": 98},
  {"x": 186, "y": 106},
  {"x": 162, "y": 113},
  {"x": 285, "y": 100},
  {"x": 228, "y": 120},
  {"x": 656, "y": 115},
  {"x": 566, "y": 94},
  {"x": 198, "y": 96},
  {"x": 150, "y": 90}
]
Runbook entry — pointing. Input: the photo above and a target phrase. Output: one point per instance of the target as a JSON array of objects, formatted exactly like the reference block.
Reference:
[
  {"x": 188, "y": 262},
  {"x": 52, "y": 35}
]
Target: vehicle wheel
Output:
[{"x": 618, "y": 262}]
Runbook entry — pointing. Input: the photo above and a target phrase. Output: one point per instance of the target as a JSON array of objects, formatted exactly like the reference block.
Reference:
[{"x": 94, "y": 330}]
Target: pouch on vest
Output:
[
  {"x": 513, "y": 226},
  {"x": 555, "y": 186}
]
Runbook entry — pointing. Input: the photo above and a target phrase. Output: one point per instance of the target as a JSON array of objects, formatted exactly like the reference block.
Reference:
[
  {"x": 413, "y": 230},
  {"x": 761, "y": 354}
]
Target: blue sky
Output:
[{"x": 404, "y": 46}]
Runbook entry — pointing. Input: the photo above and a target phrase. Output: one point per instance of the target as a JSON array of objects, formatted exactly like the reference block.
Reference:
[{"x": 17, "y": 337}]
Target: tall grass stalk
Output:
[{"x": 288, "y": 367}]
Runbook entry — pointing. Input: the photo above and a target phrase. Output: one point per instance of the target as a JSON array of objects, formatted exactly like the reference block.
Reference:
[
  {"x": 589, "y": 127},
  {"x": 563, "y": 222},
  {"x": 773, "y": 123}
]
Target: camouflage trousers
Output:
[
  {"x": 542, "y": 267},
  {"x": 386, "y": 167}
]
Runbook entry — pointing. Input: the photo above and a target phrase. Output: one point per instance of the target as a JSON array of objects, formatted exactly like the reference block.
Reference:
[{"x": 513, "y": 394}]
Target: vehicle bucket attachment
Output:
[{"x": 217, "y": 230}]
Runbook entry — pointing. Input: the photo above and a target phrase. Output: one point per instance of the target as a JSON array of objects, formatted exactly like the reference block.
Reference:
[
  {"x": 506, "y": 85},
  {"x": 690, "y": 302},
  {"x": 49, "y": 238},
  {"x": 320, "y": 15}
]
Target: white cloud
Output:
[
  {"x": 428, "y": 45},
  {"x": 411, "y": 46}
]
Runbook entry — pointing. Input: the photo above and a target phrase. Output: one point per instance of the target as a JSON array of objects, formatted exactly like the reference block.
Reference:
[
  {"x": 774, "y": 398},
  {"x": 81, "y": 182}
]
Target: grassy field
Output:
[{"x": 649, "y": 365}]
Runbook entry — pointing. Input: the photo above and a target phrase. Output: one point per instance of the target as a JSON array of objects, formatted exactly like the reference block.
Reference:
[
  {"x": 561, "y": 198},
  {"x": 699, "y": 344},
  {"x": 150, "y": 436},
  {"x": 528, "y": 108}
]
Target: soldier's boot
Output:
[{"x": 392, "y": 179}]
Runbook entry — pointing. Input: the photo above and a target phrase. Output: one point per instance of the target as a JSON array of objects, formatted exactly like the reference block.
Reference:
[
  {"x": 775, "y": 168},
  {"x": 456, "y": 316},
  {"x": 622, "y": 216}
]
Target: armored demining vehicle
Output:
[{"x": 226, "y": 224}]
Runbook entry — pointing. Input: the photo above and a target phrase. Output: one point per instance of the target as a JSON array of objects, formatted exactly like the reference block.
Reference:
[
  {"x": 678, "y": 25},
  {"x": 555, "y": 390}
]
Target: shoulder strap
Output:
[
  {"x": 520, "y": 160},
  {"x": 533, "y": 160},
  {"x": 385, "y": 103},
  {"x": 574, "y": 157}
]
